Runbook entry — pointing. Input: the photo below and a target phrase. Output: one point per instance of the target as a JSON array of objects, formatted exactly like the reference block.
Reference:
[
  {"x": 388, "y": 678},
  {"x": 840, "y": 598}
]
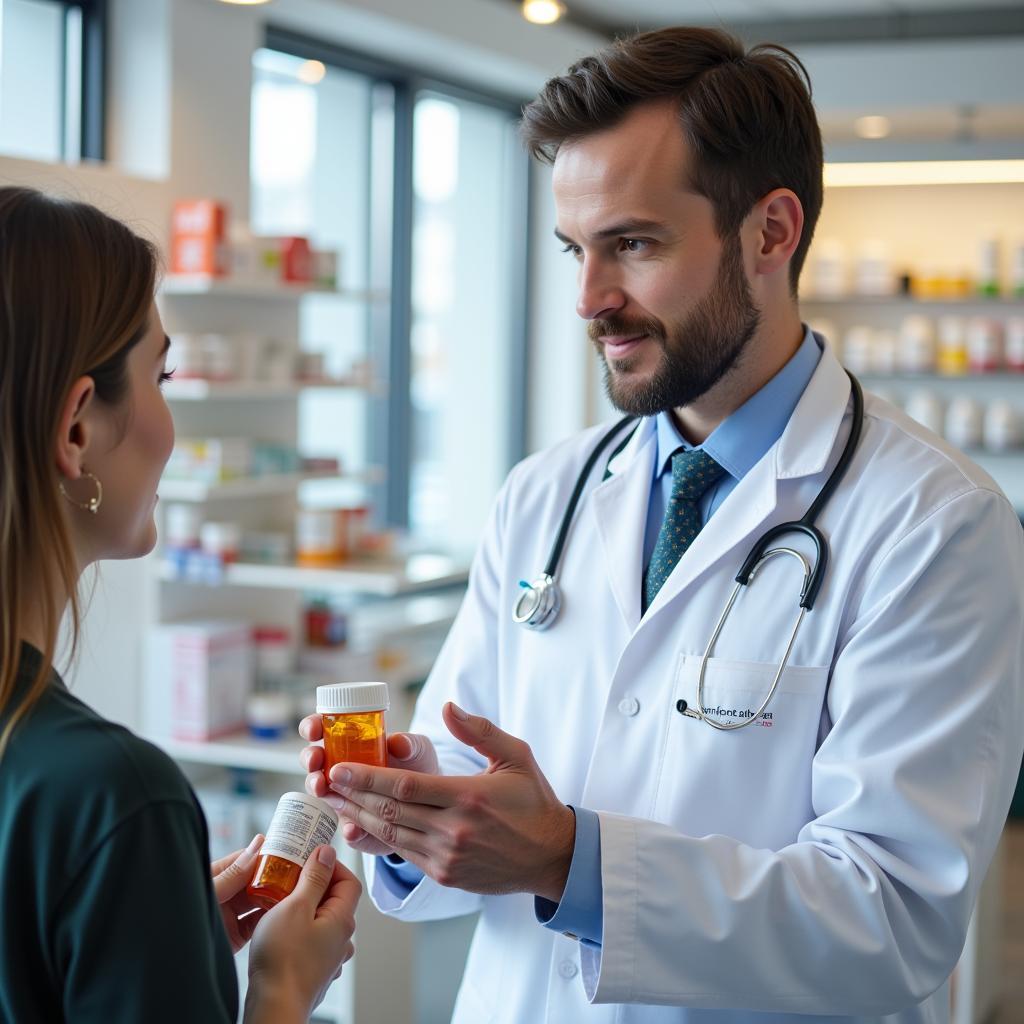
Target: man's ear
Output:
[
  {"x": 75, "y": 432},
  {"x": 780, "y": 219}
]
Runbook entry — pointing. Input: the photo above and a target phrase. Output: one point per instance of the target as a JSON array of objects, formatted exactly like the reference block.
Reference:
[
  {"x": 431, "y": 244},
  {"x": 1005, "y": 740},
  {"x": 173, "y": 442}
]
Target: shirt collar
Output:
[{"x": 741, "y": 439}]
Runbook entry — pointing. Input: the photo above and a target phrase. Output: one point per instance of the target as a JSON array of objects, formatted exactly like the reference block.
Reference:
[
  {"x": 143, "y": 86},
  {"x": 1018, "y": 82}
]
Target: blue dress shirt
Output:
[{"x": 737, "y": 444}]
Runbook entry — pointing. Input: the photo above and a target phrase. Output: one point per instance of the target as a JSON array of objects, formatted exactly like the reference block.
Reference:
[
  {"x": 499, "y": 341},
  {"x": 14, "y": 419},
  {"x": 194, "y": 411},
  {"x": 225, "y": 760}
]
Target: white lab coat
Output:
[{"x": 823, "y": 866}]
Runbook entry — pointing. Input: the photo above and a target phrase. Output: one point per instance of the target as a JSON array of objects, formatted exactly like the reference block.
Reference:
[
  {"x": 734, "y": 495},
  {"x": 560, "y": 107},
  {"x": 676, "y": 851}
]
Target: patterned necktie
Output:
[{"x": 693, "y": 472}]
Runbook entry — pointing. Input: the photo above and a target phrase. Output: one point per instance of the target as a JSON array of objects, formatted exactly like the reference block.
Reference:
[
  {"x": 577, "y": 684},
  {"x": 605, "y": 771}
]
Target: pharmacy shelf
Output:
[
  {"x": 980, "y": 385},
  {"x": 379, "y": 579},
  {"x": 242, "y": 750},
  {"x": 238, "y": 750},
  {"x": 229, "y": 288},
  {"x": 196, "y": 390},
  {"x": 244, "y": 487},
  {"x": 971, "y": 302}
]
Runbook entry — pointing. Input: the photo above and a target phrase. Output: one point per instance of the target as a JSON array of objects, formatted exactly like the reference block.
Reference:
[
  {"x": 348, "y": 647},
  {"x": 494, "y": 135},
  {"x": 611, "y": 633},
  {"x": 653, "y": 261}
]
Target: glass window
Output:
[
  {"x": 313, "y": 130},
  {"x": 52, "y": 79},
  {"x": 32, "y": 79},
  {"x": 423, "y": 190},
  {"x": 463, "y": 316}
]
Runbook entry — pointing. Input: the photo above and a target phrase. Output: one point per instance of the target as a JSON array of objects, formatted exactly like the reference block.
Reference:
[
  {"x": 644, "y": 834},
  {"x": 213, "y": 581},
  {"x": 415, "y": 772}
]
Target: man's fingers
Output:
[
  {"x": 499, "y": 747},
  {"x": 312, "y": 728},
  {"x": 312, "y": 758},
  {"x": 413, "y": 752},
  {"x": 397, "y": 837},
  {"x": 405, "y": 786},
  {"x": 316, "y": 785}
]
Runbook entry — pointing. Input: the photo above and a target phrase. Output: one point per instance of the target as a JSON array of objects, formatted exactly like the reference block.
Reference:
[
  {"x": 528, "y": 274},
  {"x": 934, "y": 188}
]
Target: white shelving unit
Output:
[
  {"x": 887, "y": 311},
  {"x": 272, "y": 594},
  {"x": 379, "y": 579}
]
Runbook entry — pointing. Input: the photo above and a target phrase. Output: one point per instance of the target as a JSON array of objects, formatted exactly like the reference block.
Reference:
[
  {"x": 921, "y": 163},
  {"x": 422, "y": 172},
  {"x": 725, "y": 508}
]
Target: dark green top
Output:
[{"x": 107, "y": 913}]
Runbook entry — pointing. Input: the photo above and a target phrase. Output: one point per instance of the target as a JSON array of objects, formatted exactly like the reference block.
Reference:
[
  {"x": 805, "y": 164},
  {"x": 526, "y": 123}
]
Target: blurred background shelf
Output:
[{"x": 380, "y": 579}]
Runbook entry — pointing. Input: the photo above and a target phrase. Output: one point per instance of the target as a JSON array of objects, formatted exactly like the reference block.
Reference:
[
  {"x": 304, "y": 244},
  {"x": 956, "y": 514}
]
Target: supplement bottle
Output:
[
  {"x": 300, "y": 824},
  {"x": 353, "y": 721}
]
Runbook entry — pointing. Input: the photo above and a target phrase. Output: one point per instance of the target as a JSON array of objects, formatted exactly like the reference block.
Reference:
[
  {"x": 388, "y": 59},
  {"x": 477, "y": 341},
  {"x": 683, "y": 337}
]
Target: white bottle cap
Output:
[{"x": 352, "y": 698}]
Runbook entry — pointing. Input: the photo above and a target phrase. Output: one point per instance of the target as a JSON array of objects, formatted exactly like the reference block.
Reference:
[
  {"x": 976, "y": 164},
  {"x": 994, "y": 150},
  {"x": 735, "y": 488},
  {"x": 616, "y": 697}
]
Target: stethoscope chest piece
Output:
[{"x": 538, "y": 604}]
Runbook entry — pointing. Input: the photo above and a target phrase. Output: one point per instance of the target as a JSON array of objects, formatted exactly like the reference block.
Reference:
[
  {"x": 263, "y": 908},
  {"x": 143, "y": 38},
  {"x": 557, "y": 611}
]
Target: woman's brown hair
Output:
[
  {"x": 76, "y": 287},
  {"x": 747, "y": 116}
]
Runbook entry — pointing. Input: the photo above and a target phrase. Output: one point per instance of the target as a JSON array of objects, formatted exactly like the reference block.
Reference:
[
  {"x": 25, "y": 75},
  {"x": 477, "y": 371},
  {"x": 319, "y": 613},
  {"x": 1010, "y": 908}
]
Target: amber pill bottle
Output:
[
  {"x": 300, "y": 824},
  {"x": 353, "y": 721}
]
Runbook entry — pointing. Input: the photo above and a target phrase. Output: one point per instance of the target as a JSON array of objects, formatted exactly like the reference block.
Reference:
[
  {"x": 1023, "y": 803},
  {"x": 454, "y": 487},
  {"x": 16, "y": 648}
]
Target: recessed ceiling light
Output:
[
  {"x": 311, "y": 72},
  {"x": 924, "y": 172},
  {"x": 874, "y": 126},
  {"x": 543, "y": 12}
]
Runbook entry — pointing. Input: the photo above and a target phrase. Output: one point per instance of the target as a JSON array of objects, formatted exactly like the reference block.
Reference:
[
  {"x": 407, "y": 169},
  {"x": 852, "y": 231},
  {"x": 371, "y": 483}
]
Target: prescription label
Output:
[{"x": 301, "y": 823}]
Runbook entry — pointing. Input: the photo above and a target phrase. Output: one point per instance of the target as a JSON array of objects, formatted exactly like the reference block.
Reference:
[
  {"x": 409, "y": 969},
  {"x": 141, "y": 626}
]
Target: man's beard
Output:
[{"x": 696, "y": 352}]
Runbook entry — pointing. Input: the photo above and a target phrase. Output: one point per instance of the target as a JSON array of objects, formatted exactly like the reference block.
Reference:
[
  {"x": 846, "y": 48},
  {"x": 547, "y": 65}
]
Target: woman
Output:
[{"x": 107, "y": 911}]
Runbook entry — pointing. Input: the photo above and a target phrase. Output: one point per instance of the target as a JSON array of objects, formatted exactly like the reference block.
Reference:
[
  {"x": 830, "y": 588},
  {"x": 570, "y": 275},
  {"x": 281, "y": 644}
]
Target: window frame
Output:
[
  {"x": 391, "y": 417},
  {"x": 90, "y": 142}
]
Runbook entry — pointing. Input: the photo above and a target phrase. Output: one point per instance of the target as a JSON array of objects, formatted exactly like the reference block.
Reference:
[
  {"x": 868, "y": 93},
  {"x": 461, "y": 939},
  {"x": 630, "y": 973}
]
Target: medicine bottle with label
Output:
[
  {"x": 300, "y": 824},
  {"x": 353, "y": 721}
]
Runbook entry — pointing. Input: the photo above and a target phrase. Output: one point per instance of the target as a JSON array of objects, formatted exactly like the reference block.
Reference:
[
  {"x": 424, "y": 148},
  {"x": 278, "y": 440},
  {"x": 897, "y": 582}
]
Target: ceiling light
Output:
[
  {"x": 245, "y": 3},
  {"x": 543, "y": 12},
  {"x": 311, "y": 72},
  {"x": 925, "y": 172},
  {"x": 874, "y": 126}
]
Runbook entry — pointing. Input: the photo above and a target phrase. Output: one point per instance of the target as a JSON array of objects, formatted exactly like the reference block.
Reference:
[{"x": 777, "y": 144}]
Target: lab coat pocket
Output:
[{"x": 751, "y": 782}]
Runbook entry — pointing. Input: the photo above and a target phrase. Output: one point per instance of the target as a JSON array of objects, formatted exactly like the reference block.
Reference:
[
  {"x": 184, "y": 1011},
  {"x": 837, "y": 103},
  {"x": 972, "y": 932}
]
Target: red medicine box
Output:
[{"x": 198, "y": 238}]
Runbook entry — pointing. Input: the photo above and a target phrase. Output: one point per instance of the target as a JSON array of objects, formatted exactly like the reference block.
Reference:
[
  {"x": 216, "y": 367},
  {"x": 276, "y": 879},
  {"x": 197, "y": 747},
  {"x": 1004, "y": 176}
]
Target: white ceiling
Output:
[{"x": 650, "y": 13}]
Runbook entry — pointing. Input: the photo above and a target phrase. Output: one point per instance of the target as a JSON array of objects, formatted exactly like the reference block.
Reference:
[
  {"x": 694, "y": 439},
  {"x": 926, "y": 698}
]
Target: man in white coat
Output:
[{"x": 633, "y": 863}]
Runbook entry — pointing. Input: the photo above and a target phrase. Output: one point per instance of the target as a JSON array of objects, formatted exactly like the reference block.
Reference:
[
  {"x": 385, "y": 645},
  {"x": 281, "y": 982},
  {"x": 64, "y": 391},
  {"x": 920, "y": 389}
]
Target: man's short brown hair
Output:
[{"x": 747, "y": 116}]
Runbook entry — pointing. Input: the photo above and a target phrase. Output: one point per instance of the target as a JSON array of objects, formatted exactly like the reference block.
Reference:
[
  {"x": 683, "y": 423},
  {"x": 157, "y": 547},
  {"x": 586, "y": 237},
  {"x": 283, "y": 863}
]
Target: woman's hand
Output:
[
  {"x": 231, "y": 875},
  {"x": 300, "y": 945}
]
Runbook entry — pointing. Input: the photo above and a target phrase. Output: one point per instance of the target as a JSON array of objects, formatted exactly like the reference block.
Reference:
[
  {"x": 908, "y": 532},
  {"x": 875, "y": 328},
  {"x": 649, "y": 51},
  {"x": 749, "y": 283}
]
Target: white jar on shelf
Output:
[
  {"x": 917, "y": 345},
  {"x": 1002, "y": 426},
  {"x": 829, "y": 269},
  {"x": 874, "y": 274},
  {"x": 965, "y": 426},
  {"x": 885, "y": 352},
  {"x": 858, "y": 349},
  {"x": 181, "y": 526},
  {"x": 1013, "y": 344},
  {"x": 984, "y": 345},
  {"x": 952, "y": 346}
]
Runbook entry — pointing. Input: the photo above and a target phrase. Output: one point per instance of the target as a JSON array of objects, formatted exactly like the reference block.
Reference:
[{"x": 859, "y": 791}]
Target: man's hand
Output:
[
  {"x": 405, "y": 750},
  {"x": 501, "y": 831}
]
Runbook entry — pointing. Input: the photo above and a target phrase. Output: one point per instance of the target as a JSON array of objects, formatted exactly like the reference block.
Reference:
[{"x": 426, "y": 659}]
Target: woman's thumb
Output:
[
  {"x": 316, "y": 875},
  {"x": 235, "y": 877}
]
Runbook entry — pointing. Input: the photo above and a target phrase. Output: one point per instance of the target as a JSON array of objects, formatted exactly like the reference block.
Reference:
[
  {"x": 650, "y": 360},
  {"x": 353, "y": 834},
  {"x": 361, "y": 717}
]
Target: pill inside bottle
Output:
[
  {"x": 353, "y": 721},
  {"x": 300, "y": 824}
]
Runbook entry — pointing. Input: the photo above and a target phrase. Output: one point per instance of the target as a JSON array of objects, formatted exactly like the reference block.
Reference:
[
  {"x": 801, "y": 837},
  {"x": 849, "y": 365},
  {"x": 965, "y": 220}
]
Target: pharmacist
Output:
[{"x": 654, "y": 823}]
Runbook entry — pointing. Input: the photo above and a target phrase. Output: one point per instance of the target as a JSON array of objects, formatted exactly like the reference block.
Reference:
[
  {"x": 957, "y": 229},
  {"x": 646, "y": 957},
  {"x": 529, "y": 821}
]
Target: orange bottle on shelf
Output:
[
  {"x": 353, "y": 721},
  {"x": 300, "y": 824}
]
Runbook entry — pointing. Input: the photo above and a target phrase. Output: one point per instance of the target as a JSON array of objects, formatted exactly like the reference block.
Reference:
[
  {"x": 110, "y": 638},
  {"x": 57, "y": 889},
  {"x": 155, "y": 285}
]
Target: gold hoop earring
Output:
[{"x": 93, "y": 504}]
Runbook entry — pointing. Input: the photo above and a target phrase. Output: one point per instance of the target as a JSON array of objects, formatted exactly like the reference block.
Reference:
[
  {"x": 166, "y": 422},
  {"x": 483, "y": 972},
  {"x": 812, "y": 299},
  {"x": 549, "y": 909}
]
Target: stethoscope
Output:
[{"x": 538, "y": 605}]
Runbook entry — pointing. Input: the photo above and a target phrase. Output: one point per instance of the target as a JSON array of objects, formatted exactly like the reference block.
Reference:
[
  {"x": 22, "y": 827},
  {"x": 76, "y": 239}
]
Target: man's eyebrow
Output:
[{"x": 626, "y": 227}]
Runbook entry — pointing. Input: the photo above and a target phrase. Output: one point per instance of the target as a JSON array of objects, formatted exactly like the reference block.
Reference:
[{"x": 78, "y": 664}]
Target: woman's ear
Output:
[{"x": 74, "y": 433}]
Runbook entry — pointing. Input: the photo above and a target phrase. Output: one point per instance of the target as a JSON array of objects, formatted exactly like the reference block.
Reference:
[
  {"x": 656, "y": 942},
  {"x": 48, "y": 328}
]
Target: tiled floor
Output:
[{"x": 1011, "y": 1010}]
